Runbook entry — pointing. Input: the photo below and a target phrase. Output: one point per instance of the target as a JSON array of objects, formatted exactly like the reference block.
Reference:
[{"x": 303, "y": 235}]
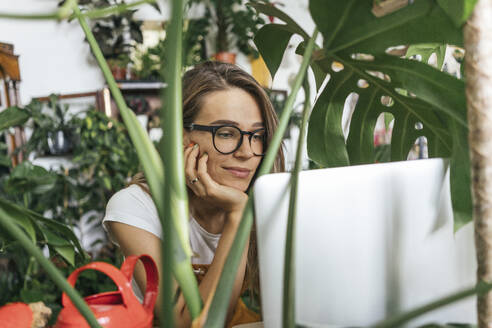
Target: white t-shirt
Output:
[{"x": 135, "y": 207}]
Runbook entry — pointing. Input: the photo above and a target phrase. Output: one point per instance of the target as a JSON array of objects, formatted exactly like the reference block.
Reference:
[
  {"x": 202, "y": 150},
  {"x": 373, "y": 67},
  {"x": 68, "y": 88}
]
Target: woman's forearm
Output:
[{"x": 211, "y": 278}]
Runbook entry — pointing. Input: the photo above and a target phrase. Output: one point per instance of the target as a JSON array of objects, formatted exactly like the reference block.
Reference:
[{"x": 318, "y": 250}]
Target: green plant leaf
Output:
[
  {"x": 458, "y": 10},
  {"x": 270, "y": 10},
  {"x": 41, "y": 225},
  {"x": 460, "y": 174},
  {"x": 53, "y": 240},
  {"x": 272, "y": 41},
  {"x": 12, "y": 116},
  {"x": 426, "y": 50},
  {"x": 20, "y": 218},
  {"x": 400, "y": 319},
  {"x": 29, "y": 295},
  {"x": 67, "y": 252},
  {"x": 324, "y": 124},
  {"x": 411, "y": 91},
  {"x": 26, "y": 177},
  {"x": 421, "y": 22}
]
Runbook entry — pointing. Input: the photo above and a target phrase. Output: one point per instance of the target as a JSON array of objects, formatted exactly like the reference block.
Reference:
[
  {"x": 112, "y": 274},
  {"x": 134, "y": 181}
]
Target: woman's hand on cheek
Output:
[{"x": 230, "y": 199}]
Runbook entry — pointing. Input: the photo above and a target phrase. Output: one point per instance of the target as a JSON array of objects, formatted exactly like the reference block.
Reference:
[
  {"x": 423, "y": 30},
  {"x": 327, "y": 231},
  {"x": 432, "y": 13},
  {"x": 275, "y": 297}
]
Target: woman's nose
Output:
[{"x": 245, "y": 149}]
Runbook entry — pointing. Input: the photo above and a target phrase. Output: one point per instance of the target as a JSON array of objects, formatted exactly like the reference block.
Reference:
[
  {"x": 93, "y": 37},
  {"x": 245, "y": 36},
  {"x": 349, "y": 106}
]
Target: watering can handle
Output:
[
  {"x": 123, "y": 284},
  {"x": 127, "y": 269}
]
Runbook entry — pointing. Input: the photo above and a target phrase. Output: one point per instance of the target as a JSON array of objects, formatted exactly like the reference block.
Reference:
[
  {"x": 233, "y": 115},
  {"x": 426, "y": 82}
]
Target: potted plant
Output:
[
  {"x": 232, "y": 25},
  {"x": 119, "y": 66},
  {"x": 116, "y": 35},
  {"x": 147, "y": 62},
  {"x": 52, "y": 130}
]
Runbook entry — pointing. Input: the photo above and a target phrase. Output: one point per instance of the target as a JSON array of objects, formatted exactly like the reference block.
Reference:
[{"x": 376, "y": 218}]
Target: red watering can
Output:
[{"x": 117, "y": 309}]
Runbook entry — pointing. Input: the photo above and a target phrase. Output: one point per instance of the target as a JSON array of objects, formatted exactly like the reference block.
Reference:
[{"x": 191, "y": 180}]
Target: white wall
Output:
[{"x": 53, "y": 57}]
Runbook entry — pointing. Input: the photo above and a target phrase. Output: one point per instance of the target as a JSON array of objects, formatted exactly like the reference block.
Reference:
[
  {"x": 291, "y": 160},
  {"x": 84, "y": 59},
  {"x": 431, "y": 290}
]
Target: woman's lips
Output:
[{"x": 238, "y": 172}]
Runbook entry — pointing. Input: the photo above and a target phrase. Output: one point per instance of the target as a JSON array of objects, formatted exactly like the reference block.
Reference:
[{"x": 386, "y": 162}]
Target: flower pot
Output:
[
  {"x": 59, "y": 142},
  {"x": 225, "y": 57},
  {"x": 119, "y": 73}
]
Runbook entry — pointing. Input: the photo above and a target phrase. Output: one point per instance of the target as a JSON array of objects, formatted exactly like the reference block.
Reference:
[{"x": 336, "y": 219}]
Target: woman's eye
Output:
[
  {"x": 224, "y": 135},
  {"x": 258, "y": 137}
]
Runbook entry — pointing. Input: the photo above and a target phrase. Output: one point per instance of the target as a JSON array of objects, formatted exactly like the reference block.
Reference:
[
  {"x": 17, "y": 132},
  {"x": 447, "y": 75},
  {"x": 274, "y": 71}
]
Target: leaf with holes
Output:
[
  {"x": 426, "y": 50},
  {"x": 423, "y": 100},
  {"x": 272, "y": 40}
]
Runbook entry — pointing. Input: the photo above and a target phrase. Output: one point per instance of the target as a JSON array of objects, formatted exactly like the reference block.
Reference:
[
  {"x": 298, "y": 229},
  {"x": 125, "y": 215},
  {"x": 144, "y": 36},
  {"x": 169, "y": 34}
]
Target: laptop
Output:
[{"x": 372, "y": 241}]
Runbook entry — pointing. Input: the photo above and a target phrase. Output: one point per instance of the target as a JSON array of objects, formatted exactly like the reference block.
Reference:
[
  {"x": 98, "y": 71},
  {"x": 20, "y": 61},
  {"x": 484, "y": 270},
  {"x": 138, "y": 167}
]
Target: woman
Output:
[{"x": 228, "y": 123}]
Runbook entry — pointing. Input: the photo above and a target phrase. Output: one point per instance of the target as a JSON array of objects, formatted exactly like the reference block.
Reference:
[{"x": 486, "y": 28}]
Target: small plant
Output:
[
  {"x": 232, "y": 25},
  {"x": 148, "y": 63},
  {"x": 52, "y": 128},
  {"x": 116, "y": 35}
]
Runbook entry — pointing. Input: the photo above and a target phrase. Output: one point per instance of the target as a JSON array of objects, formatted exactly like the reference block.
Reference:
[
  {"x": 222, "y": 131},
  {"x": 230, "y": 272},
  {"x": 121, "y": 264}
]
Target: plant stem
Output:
[
  {"x": 176, "y": 197},
  {"x": 25, "y": 198},
  {"x": 398, "y": 320},
  {"x": 7, "y": 223},
  {"x": 29, "y": 271},
  {"x": 147, "y": 154},
  {"x": 154, "y": 173},
  {"x": 288, "y": 308},
  {"x": 49, "y": 16},
  {"x": 117, "y": 9},
  {"x": 218, "y": 309},
  {"x": 267, "y": 162},
  {"x": 64, "y": 12}
]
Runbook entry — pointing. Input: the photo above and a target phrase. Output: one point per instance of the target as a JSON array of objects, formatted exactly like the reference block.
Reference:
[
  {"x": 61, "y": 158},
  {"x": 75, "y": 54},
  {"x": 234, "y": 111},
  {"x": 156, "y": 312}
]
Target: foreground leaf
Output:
[
  {"x": 12, "y": 116},
  {"x": 414, "y": 93},
  {"x": 458, "y": 10}
]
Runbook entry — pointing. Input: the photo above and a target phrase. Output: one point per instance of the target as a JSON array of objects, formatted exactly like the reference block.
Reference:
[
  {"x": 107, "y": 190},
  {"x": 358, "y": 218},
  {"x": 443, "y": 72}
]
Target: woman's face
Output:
[{"x": 234, "y": 107}]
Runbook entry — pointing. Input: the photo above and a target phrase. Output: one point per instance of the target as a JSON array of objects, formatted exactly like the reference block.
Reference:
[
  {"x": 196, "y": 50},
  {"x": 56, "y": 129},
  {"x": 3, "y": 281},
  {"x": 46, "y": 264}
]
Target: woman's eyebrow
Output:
[{"x": 259, "y": 124}]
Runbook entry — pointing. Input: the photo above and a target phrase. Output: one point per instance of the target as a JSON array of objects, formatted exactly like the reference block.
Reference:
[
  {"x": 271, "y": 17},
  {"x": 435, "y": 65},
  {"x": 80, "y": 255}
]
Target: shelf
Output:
[{"x": 140, "y": 85}]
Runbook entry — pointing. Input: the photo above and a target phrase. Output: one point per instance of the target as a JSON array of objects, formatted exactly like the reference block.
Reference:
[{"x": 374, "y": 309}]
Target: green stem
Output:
[
  {"x": 7, "y": 223},
  {"x": 398, "y": 320},
  {"x": 220, "y": 302},
  {"x": 176, "y": 197},
  {"x": 154, "y": 173},
  {"x": 49, "y": 16},
  {"x": 269, "y": 159},
  {"x": 117, "y": 9},
  {"x": 66, "y": 9},
  {"x": 147, "y": 154},
  {"x": 288, "y": 308},
  {"x": 29, "y": 271}
]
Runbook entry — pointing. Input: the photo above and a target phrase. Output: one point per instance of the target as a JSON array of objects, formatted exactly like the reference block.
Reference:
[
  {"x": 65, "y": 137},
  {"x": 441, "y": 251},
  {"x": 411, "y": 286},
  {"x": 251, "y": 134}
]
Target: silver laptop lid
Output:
[{"x": 372, "y": 240}]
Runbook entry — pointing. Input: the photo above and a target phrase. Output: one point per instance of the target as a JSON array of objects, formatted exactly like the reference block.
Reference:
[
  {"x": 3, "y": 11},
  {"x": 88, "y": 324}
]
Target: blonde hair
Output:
[{"x": 210, "y": 77}]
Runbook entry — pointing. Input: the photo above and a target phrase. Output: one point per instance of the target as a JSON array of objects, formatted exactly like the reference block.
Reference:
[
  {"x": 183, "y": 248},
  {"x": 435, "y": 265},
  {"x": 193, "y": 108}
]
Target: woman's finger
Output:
[
  {"x": 191, "y": 174},
  {"x": 203, "y": 175},
  {"x": 190, "y": 154}
]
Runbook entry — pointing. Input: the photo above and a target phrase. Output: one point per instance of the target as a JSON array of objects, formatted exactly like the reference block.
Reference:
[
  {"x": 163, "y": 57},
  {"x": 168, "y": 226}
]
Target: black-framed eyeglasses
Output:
[{"x": 228, "y": 138}]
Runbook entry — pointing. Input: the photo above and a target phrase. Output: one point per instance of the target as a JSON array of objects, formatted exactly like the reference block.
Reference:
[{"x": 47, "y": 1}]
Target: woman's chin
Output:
[{"x": 239, "y": 185}]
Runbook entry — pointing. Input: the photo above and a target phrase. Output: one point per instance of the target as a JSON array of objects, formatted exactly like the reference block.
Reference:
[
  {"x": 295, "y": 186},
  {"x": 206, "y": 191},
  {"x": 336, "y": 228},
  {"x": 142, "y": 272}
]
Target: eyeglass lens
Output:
[{"x": 228, "y": 138}]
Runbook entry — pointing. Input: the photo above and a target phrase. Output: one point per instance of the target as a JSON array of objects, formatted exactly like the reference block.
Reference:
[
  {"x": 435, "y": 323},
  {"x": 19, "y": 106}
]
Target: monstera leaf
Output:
[{"x": 423, "y": 100}]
